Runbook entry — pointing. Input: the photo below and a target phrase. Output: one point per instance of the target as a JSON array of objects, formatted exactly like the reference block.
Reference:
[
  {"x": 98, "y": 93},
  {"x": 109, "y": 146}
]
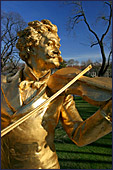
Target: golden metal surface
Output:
[
  {"x": 37, "y": 105},
  {"x": 31, "y": 144}
]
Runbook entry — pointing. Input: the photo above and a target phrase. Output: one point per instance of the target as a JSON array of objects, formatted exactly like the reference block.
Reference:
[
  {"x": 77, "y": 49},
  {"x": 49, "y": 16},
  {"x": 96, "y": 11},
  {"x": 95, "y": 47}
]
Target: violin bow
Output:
[{"x": 28, "y": 115}]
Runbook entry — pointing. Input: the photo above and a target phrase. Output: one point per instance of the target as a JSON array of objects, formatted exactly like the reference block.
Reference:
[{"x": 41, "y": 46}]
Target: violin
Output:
[{"x": 96, "y": 91}]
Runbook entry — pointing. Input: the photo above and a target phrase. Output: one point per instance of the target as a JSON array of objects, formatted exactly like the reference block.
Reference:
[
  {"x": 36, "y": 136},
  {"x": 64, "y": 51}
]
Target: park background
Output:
[{"x": 76, "y": 51}]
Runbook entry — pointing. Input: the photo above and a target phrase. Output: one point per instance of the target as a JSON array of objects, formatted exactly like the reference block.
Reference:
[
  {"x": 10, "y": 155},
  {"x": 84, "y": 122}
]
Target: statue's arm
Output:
[
  {"x": 84, "y": 132},
  {"x": 95, "y": 91},
  {"x": 5, "y": 113}
]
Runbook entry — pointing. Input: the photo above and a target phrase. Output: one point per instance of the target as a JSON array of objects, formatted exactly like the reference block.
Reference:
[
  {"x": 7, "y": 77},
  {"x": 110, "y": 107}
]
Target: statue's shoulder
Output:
[
  {"x": 3, "y": 78},
  {"x": 8, "y": 78}
]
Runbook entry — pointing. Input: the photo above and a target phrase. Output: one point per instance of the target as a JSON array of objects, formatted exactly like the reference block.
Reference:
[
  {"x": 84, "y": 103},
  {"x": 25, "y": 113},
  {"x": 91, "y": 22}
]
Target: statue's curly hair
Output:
[{"x": 32, "y": 35}]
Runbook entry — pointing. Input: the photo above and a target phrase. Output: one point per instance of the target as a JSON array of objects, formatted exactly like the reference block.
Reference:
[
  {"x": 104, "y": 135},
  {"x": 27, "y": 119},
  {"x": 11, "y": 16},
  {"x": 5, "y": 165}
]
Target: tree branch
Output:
[
  {"x": 90, "y": 29},
  {"x": 108, "y": 62},
  {"x": 94, "y": 44},
  {"x": 6, "y": 46},
  {"x": 109, "y": 24},
  {"x": 109, "y": 56}
]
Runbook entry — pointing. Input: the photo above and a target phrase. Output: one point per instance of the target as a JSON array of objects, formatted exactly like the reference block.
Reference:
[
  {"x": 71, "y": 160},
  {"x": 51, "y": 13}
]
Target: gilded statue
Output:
[{"x": 31, "y": 144}]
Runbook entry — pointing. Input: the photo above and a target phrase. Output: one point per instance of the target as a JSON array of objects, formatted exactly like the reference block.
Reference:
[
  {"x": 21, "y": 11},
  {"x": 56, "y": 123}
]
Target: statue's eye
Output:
[{"x": 50, "y": 43}]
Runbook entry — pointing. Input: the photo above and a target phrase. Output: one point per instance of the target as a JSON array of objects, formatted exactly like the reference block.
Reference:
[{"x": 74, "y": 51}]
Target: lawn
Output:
[{"x": 97, "y": 155}]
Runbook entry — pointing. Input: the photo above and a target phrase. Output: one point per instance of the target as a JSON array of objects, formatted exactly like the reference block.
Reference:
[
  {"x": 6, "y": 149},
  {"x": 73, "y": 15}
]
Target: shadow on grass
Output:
[
  {"x": 101, "y": 145},
  {"x": 85, "y": 161},
  {"x": 75, "y": 152},
  {"x": 93, "y": 144}
]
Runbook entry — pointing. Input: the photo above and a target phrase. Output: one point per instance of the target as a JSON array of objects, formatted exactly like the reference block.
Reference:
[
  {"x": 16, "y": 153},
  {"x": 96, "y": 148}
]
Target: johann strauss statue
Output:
[{"x": 31, "y": 144}]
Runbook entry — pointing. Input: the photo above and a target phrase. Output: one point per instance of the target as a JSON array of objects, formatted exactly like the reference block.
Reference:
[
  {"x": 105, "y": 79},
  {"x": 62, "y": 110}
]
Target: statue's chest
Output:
[{"x": 41, "y": 123}]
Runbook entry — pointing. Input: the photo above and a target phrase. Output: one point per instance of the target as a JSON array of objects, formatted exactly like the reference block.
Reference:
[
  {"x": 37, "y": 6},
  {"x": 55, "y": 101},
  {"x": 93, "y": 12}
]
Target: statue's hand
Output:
[{"x": 106, "y": 111}]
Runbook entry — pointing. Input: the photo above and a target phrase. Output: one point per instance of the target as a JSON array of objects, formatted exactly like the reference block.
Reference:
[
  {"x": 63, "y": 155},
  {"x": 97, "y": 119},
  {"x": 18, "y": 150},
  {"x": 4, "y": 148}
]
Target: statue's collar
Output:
[
  {"x": 29, "y": 75},
  {"x": 11, "y": 88}
]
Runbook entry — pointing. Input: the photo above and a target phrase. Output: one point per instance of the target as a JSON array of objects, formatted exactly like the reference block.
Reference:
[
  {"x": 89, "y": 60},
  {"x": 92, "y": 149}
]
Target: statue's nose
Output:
[{"x": 56, "y": 52}]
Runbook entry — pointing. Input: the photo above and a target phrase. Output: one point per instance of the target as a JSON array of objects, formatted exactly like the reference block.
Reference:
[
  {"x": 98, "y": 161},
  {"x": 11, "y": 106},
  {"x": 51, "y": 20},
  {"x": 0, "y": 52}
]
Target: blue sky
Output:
[{"x": 72, "y": 45}]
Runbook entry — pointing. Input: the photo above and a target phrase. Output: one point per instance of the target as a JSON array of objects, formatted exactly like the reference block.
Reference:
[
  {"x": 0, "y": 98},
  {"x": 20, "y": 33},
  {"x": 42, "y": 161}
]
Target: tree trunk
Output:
[{"x": 101, "y": 71}]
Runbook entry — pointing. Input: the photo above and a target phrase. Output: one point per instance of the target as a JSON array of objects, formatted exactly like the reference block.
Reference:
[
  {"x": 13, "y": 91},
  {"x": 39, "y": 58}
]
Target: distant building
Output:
[
  {"x": 108, "y": 73},
  {"x": 94, "y": 71},
  {"x": 93, "y": 74}
]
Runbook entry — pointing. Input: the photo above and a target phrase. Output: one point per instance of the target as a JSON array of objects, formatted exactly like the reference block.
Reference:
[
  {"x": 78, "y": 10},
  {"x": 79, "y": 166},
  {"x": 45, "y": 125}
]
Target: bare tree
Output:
[
  {"x": 71, "y": 62},
  {"x": 76, "y": 62},
  {"x": 86, "y": 63},
  {"x": 11, "y": 23},
  {"x": 79, "y": 15}
]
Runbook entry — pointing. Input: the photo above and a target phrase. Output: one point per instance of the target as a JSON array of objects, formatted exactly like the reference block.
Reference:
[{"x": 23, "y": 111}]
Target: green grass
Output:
[{"x": 97, "y": 155}]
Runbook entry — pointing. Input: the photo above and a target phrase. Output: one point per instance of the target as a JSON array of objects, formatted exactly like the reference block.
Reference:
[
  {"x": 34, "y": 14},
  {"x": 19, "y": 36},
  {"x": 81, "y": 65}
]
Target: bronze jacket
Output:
[{"x": 31, "y": 144}]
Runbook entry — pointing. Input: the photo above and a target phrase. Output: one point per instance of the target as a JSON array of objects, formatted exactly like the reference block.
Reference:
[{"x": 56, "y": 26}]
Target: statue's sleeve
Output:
[
  {"x": 5, "y": 112},
  {"x": 83, "y": 132}
]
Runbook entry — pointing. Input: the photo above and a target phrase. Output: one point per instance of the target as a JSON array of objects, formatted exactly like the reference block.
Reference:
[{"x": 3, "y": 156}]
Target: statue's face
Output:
[
  {"x": 47, "y": 53},
  {"x": 51, "y": 47}
]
